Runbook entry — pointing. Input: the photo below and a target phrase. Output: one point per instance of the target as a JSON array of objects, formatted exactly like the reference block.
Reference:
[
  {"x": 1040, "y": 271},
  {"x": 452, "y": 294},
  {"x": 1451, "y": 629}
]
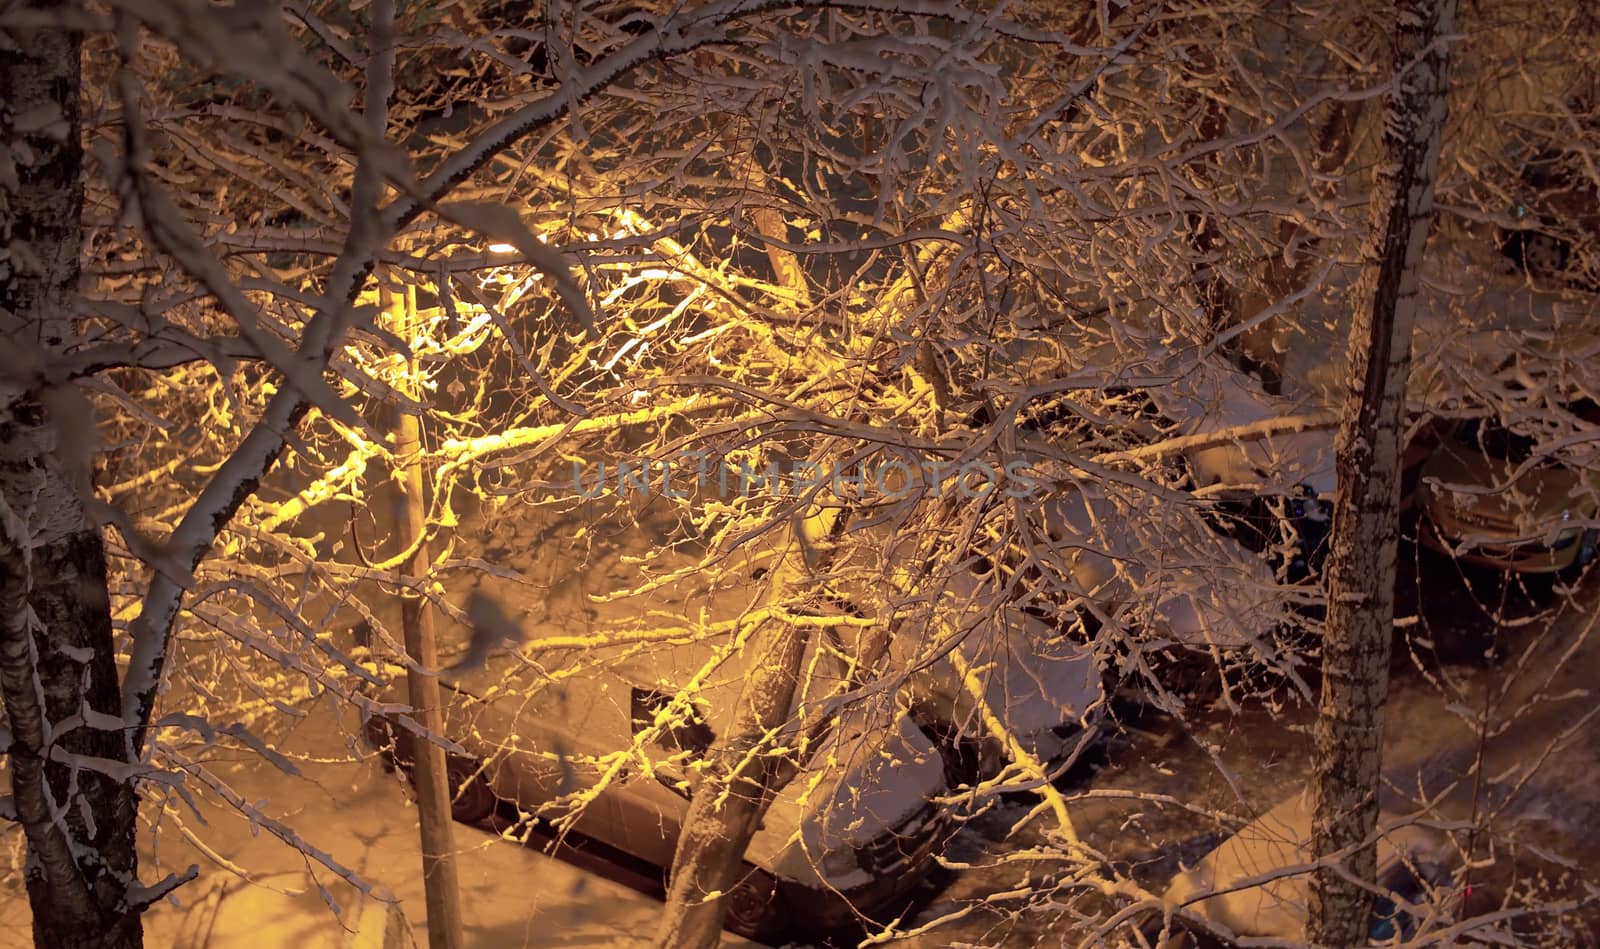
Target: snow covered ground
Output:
[
  {"x": 1240, "y": 766},
  {"x": 511, "y": 895}
]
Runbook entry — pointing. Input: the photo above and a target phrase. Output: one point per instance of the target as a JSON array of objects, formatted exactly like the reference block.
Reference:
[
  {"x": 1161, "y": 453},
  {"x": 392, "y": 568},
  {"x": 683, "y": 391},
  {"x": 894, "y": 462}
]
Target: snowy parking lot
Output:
[{"x": 1136, "y": 801}]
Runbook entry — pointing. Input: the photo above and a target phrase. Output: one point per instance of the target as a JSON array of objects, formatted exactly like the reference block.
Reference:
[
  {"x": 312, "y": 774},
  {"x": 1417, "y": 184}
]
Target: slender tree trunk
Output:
[
  {"x": 1360, "y": 625},
  {"x": 725, "y": 810},
  {"x": 57, "y": 658},
  {"x": 428, "y": 768}
]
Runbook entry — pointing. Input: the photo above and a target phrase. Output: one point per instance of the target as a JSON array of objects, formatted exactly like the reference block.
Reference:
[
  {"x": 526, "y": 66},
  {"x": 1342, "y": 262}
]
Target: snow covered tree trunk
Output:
[
  {"x": 57, "y": 659},
  {"x": 727, "y": 806},
  {"x": 725, "y": 810},
  {"x": 1349, "y": 731}
]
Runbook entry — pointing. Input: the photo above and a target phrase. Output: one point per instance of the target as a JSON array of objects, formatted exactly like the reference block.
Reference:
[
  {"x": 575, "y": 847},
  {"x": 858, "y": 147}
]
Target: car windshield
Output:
[
  {"x": 685, "y": 732},
  {"x": 1496, "y": 441},
  {"x": 1389, "y": 918}
]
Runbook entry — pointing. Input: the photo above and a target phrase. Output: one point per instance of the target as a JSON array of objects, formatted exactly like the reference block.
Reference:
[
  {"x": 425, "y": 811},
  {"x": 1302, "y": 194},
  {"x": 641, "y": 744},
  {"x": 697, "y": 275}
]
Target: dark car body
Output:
[
  {"x": 1557, "y": 220},
  {"x": 1521, "y": 495}
]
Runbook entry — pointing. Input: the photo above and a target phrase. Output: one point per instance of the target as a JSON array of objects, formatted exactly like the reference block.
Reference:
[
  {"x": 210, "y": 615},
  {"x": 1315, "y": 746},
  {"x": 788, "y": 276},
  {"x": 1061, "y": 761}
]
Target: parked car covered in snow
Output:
[
  {"x": 1188, "y": 601},
  {"x": 1198, "y": 588},
  {"x": 1556, "y": 219},
  {"x": 1522, "y": 495},
  {"x": 1463, "y": 827},
  {"x": 1015, "y": 640},
  {"x": 1042, "y": 687},
  {"x": 606, "y": 736},
  {"x": 1256, "y": 885},
  {"x": 1265, "y": 463},
  {"x": 1485, "y": 503}
]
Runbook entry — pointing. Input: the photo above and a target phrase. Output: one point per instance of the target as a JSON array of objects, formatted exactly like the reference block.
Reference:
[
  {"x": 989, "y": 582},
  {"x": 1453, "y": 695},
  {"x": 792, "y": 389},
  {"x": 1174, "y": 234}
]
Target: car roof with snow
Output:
[{"x": 1202, "y": 393}]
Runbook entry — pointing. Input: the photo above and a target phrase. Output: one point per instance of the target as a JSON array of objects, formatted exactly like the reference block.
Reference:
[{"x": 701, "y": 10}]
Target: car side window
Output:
[
  {"x": 689, "y": 732},
  {"x": 1409, "y": 885}
]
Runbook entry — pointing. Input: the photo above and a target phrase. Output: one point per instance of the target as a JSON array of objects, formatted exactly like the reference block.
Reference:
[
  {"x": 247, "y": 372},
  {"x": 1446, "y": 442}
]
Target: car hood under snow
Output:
[
  {"x": 1029, "y": 676},
  {"x": 1488, "y": 500},
  {"x": 1175, "y": 578},
  {"x": 870, "y": 785}
]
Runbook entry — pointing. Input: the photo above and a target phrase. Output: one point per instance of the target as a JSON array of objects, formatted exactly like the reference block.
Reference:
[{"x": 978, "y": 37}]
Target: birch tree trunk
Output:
[
  {"x": 57, "y": 658},
  {"x": 1360, "y": 623}
]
